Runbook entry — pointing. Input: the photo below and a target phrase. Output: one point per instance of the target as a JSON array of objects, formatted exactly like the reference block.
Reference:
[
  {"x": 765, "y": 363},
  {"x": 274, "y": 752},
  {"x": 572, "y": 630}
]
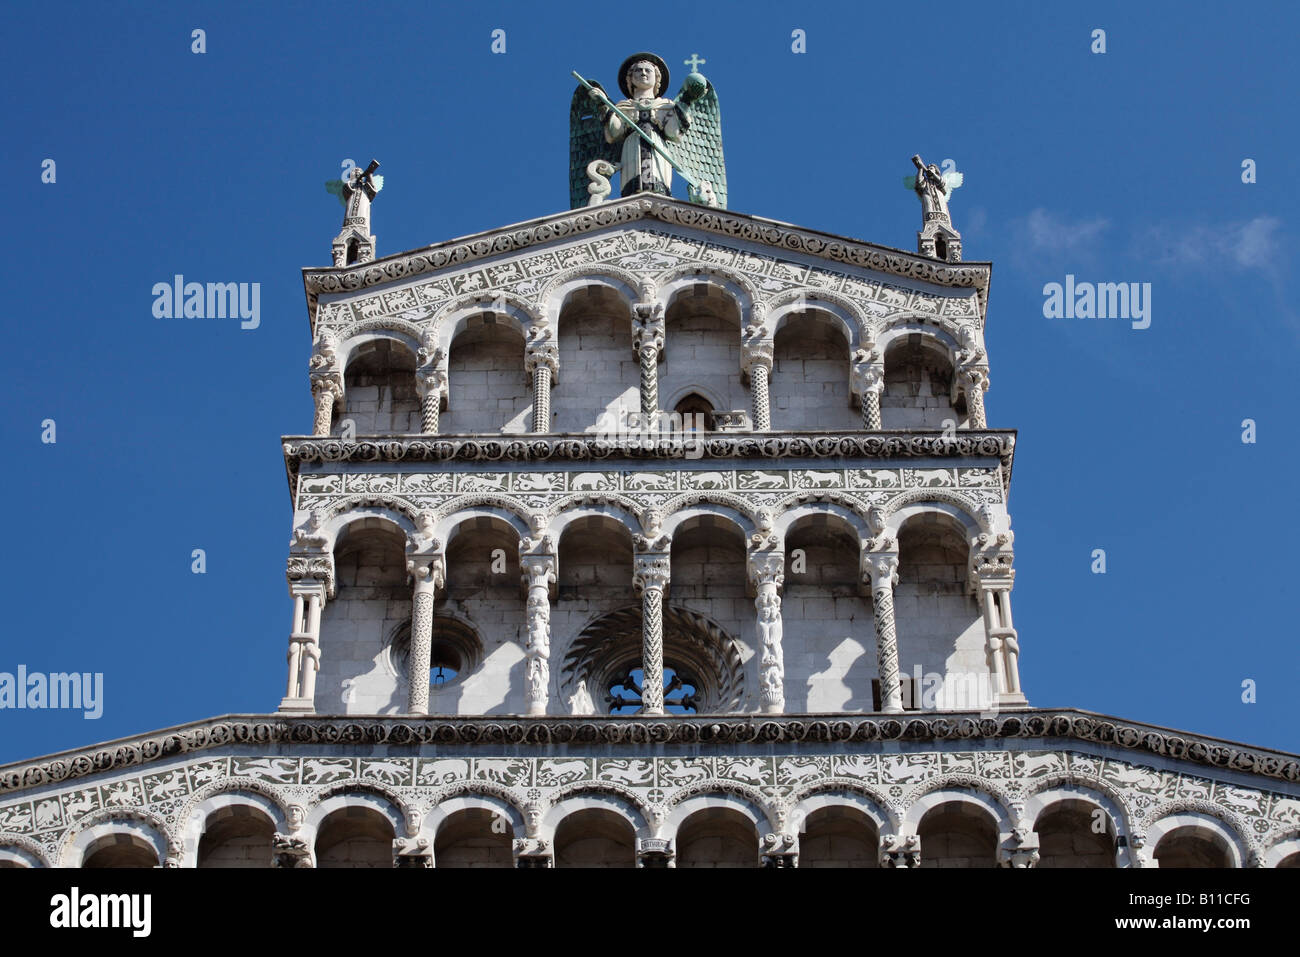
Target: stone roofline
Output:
[
  {"x": 281, "y": 730},
  {"x": 577, "y": 222}
]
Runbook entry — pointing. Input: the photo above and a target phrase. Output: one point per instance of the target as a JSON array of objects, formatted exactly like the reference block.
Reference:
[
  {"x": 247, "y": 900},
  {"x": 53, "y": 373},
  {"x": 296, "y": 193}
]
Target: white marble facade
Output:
[{"x": 817, "y": 544}]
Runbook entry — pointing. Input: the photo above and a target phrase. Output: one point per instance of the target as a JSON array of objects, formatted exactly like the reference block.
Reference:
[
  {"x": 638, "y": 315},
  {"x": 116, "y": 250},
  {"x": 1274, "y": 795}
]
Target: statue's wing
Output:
[
  {"x": 909, "y": 182},
  {"x": 377, "y": 181},
  {"x": 699, "y": 152},
  {"x": 586, "y": 143},
  {"x": 953, "y": 180},
  {"x": 335, "y": 186}
]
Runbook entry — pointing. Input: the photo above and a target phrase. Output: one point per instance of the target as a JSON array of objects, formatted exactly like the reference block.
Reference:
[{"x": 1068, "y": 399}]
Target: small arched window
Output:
[{"x": 696, "y": 413}]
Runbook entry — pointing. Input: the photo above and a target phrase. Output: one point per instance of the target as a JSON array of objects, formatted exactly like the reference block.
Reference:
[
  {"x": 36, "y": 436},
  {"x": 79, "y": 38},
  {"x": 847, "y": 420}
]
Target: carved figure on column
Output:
[
  {"x": 973, "y": 372},
  {"x": 430, "y": 380},
  {"x": 648, "y": 341},
  {"x": 326, "y": 380},
  {"x": 538, "y": 574},
  {"x": 868, "y": 372},
  {"x": 767, "y": 570}
]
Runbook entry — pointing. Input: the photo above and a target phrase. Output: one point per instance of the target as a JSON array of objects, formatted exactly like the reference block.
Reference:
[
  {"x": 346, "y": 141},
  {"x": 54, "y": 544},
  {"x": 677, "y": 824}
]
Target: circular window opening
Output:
[
  {"x": 680, "y": 692},
  {"x": 455, "y": 652}
]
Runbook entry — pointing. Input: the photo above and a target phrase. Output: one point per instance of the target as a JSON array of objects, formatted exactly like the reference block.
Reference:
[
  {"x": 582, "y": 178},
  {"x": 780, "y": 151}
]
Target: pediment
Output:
[{"x": 644, "y": 242}]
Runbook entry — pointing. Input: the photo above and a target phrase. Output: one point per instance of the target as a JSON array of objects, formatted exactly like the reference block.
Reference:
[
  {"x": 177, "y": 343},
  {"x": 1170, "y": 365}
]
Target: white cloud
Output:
[
  {"x": 1043, "y": 230},
  {"x": 1249, "y": 245}
]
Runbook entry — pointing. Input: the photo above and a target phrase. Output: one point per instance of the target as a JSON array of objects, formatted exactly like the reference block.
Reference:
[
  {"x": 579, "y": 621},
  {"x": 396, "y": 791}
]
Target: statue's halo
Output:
[{"x": 627, "y": 64}]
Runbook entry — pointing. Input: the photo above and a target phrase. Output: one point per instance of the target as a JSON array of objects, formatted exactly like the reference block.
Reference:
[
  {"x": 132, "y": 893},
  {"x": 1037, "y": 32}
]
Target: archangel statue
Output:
[
  {"x": 645, "y": 136},
  {"x": 934, "y": 187}
]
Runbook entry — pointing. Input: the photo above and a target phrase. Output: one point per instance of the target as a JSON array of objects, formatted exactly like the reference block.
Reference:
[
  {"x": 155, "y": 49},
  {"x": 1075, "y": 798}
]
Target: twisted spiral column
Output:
[
  {"x": 650, "y": 576},
  {"x": 648, "y": 341},
  {"x": 756, "y": 360},
  {"x": 868, "y": 375},
  {"x": 883, "y": 570},
  {"x": 429, "y": 383}
]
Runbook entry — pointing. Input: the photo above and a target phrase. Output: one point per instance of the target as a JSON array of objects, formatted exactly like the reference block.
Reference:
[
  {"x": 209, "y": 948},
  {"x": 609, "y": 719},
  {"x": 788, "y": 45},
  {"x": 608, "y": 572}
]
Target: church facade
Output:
[{"x": 652, "y": 534}]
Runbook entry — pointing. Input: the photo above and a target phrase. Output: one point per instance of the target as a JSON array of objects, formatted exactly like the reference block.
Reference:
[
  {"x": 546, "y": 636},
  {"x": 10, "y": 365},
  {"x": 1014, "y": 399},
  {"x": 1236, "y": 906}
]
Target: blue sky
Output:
[{"x": 1115, "y": 167}]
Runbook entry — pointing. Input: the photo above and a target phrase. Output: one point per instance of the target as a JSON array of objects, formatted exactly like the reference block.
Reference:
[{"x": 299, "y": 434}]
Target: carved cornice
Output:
[
  {"x": 356, "y": 731},
  {"x": 999, "y": 443},
  {"x": 578, "y": 222}
]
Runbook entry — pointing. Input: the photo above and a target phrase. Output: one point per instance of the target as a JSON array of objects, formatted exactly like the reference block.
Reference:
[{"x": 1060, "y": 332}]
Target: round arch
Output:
[
  {"x": 139, "y": 830},
  {"x": 201, "y": 815},
  {"x": 1217, "y": 831},
  {"x": 595, "y": 798}
]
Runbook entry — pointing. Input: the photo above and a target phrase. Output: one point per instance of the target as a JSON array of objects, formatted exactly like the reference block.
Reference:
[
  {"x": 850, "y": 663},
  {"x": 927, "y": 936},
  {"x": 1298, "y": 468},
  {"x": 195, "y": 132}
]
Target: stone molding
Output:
[
  {"x": 576, "y": 223},
  {"x": 722, "y": 730}
]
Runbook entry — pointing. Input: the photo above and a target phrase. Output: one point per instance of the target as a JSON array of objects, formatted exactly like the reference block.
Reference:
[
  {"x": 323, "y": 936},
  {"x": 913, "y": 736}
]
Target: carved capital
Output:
[
  {"x": 538, "y": 570},
  {"x": 428, "y": 571},
  {"x": 758, "y": 352},
  {"x": 288, "y": 851},
  {"x": 412, "y": 852},
  {"x": 654, "y": 852},
  {"x": 992, "y": 558},
  {"x": 430, "y": 381},
  {"x": 308, "y": 569},
  {"x": 650, "y": 570},
  {"x": 880, "y": 569},
  {"x": 541, "y": 354},
  {"x": 900, "y": 850},
  {"x": 779, "y": 850},
  {"x": 766, "y": 568}
]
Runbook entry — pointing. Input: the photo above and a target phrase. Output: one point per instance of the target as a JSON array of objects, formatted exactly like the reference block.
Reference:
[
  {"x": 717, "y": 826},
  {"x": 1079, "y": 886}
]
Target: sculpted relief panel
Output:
[{"x": 894, "y": 782}]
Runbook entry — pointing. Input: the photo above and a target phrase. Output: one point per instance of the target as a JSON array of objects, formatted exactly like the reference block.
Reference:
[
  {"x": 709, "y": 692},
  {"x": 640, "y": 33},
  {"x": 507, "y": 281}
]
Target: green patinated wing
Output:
[
  {"x": 699, "y": 152},
  {"x": 335, "y": 186},
  {"x": 586, "y": 143}
]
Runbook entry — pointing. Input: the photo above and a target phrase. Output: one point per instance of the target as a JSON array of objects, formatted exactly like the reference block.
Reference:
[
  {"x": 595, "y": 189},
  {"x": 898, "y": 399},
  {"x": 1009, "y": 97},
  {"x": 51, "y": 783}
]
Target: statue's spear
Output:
[{"x": 640, "y": 132}]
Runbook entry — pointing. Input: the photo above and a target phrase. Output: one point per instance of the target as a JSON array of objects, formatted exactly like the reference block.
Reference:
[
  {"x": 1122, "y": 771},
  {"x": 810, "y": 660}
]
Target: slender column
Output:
[
  {"x": 327, "y": 394},
  {"x": 538, "y": 575},
  {"x": 429, "y": 385},
  {"x": 767, "y": 571},
  {"x": 868, "y": 380},
  {"x": 650, "y": 577},
  {"x": 311, "y": 581},
  {"x": 428, "y": 573},
  {"x": 991, "y": 568},
  {"x": 297, "y": 635},
  {"x": 883, "y": 569},
  {"x": 648, "y": 341},
  {"x": 756, "y": 360},
  {"x": 977, "y": 381},
  {"x": 311, "y": 648},
  {"x": 543, "y": 361},
  {"x": 326, "y": 380}
]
